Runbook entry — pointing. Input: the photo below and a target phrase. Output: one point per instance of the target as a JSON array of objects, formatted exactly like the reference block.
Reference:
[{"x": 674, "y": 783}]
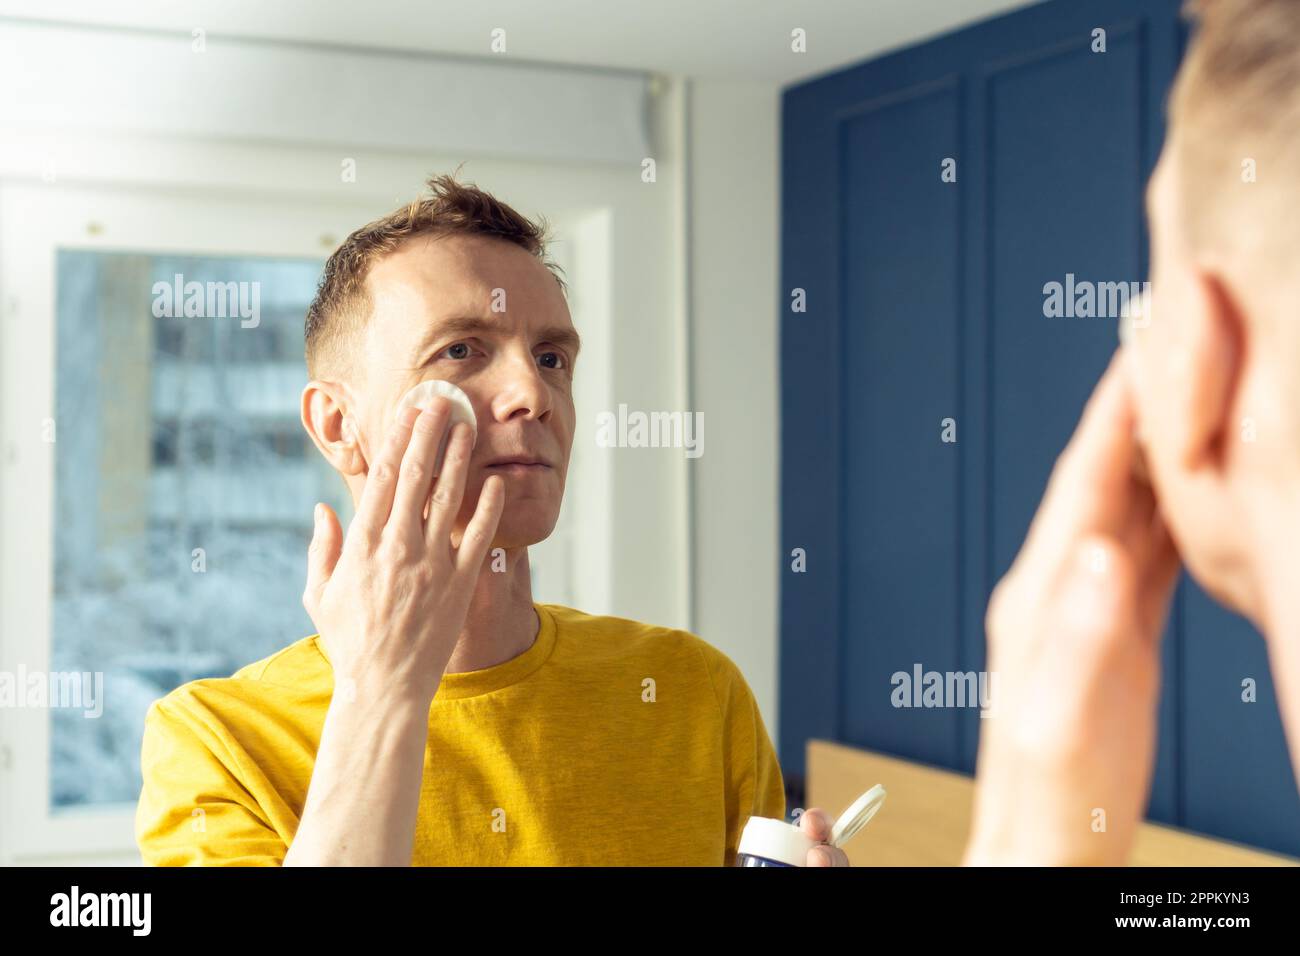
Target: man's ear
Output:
[
  {"x": 329, "y": 419},
  {"x": 1210, "y": 346}
]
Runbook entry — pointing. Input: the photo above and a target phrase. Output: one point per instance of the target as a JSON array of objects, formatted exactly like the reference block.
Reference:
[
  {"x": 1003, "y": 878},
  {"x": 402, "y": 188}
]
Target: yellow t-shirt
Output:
[{"x": 564, "y": 755}]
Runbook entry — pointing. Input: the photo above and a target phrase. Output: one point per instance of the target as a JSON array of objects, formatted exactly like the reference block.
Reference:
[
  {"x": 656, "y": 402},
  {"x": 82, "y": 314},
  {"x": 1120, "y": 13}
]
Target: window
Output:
[{"x": 184, "y": 486}]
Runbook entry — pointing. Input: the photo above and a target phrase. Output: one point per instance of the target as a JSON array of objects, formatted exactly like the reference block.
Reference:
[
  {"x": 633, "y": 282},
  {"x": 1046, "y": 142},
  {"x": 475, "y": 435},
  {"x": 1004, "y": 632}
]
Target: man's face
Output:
[{"x": 434, "y": 318}]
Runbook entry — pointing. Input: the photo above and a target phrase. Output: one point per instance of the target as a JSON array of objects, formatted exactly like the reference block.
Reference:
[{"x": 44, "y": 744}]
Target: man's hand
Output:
[
  {"x": 390, "y": 601},
  {"x": 814, "y": 824},
  {"x": 1066, "y": 754}
]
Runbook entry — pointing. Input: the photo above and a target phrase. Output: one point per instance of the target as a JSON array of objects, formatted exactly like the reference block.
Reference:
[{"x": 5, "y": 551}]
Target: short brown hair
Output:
[
  {"x": 1237, "y": 99},
  {"x": 341, "y": 305}
]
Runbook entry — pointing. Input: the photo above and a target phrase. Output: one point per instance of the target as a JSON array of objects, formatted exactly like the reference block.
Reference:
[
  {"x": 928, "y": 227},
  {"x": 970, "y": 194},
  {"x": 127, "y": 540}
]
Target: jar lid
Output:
[
  {"x": 856, "y": 816},
  {"x": 783, "y": 842},
  {"x": 775, "y": 840}
]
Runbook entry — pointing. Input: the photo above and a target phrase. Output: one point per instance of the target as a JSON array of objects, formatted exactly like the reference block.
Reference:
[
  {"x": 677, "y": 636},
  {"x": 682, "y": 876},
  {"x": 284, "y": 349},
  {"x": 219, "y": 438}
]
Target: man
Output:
[
  {"x": 1202, "y": 399},
  {"x": 440, "y": 716}
]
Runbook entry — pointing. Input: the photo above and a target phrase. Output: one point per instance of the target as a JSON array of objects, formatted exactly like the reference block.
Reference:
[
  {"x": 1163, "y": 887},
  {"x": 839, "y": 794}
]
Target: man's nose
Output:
[{"x": 521, "y": 392}]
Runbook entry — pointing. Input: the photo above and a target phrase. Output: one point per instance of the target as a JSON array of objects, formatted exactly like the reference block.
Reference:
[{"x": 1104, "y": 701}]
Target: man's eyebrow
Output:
[
  {"x": 561, "y": 335},
  {"x": 564, "y": 336}
]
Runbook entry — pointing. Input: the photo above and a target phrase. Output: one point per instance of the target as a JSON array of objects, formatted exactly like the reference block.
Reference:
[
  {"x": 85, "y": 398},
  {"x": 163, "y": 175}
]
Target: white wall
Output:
[{"x": 734, "y": 240}]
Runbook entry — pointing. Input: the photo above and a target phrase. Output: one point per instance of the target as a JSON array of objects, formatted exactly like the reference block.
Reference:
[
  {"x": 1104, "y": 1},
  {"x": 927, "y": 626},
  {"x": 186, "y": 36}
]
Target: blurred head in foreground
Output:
[{"x": 1216, "y": 363}]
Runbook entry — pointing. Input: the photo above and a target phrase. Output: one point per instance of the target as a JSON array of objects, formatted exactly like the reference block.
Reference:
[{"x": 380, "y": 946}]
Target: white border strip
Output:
[{"x": 90, "y": 78}]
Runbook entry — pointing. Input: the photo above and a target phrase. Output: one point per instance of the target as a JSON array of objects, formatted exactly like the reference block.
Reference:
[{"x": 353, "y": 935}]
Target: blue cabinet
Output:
[{"x": 928, "y": 197}]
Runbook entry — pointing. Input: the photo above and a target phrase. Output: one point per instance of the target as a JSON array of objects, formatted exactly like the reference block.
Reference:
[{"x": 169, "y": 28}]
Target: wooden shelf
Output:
[{"x": 927, "y": 815}]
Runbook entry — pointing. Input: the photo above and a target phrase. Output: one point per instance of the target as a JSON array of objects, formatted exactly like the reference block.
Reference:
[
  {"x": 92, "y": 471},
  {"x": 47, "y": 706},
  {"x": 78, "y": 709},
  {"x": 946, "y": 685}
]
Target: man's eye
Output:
[
  {"x": 458, "y": 351},
  {"x": 551, "y": 360}
]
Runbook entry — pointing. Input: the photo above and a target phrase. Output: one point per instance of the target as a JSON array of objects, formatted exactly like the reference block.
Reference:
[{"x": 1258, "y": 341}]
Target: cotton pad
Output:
[{"x": 461, "y": 409}]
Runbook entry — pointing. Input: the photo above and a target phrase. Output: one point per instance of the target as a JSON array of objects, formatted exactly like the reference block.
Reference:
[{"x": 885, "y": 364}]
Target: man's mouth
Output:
[{"x": 520, "y": 464}]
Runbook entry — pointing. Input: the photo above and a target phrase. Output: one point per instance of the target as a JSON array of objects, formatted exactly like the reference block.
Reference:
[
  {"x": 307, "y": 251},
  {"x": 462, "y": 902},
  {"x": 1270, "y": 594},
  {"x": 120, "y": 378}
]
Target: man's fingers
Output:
[
  {"x": 1099, "y": 456},
  {"x": 827, "y": 856},
  {"x": 814, "y": 824},
  {"x": 449, "y": 490},
  {"x": 482, "y": 528},
  {"x": 1098, "y": 588},
  {"x": 419, "y": 466},
  {"x": 381, "y": 481},
  {"x": 322, "y": 555},
  {"x": 1160, "y": 575},
  {"x": 1090, "y": 487}
]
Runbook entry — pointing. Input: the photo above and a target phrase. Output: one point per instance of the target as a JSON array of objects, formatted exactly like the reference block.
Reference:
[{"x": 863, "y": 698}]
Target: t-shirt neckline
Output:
[
  {"x": 501, "y": 676},
  {"x": 498, "y": 676}
]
